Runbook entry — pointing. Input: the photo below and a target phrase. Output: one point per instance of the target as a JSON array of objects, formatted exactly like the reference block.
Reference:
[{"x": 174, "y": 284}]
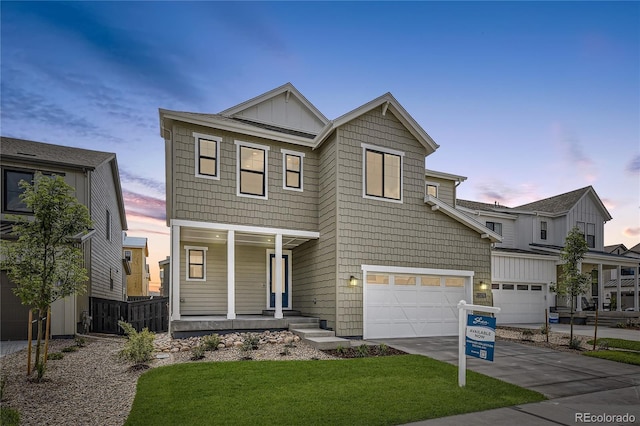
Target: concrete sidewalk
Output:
[
  {"x": 585, "y": 330},
  {"x": 10, "y": 346},
  {"x": 573, "y": 383}
]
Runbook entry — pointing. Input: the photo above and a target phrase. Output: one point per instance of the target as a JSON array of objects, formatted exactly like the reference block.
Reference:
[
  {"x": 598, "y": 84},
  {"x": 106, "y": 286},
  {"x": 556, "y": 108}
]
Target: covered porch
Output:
[{"x": 226, "y": 276}]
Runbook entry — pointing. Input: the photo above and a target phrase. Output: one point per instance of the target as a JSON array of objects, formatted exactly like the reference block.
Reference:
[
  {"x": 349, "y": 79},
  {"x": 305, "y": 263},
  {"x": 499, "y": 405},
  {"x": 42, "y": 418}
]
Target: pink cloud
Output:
[
  {"x": 143, "y": 205},
  {"x": 632, "y": 232}
]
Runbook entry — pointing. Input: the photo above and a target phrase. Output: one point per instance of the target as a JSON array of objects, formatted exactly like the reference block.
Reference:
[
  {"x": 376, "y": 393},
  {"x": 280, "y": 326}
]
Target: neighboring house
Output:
[
  {"x": 95, "y": 177},
  {"x": 273, "y": 207},
  {"x": 165, "y": 276},
  {"x": 136, "y": 252},
  {"x": 627, "y": 276},
  {"x": 527, "y": 260}
]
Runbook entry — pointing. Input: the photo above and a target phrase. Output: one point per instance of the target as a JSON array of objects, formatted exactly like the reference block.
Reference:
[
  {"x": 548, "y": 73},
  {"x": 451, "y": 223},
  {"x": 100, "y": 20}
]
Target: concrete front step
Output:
[
  {"x": 300, "y": 325},
  {"x": 326, "y": 343},
  {"x": 305, "y": 333}
]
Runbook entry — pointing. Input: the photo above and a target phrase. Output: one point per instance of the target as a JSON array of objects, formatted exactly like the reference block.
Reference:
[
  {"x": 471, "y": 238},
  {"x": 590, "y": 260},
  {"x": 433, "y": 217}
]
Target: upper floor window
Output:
[
  {"x": 127, "y": 255},
  {"x": 431, "y": 189},
  {"x": 108, "y": 226},
  {"x": 207, "y": 155},
  {"x": 292, "y": 170},
  {"x": 11, "y": 189},
  {"x": 196, "y": 263},
  {"x": 580, "y": 226},
  {"x": 495, "y": 227},
  {"x": 543, "y": 230},
  {"x": 382, "y": 173},
  {"x": 252, "y": 170},
  {"x": 591, "y": 235}
]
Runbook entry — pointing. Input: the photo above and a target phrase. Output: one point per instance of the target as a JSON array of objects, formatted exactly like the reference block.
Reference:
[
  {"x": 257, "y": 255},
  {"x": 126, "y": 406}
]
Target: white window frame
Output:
[
  {"x": 197, "y": 136},
  {"x": 286, "y": 152},
  {"x": 436, "y": 184},
  {"x": 365, "y": 148},
  {"x": 204, "y": 260},
  {"x": 265, "y": 148},
  {"x": 128, "y": 255}
]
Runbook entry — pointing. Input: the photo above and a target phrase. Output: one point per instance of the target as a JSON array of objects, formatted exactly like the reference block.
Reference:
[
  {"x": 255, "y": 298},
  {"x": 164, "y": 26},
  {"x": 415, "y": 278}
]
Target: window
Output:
[
  {"x": 591, "y": 235},
  {"x": 196, "y": 263},
  {"x": 377, "y": 279},
  {"x": 495, "y": 286},
  {"x": 430, "y": 281},
  {"x": 507, "y": 286},
  {"x": 454, "y": 282},
  {"x": 523, "y": 287},
  {"x": 207, "y": 156},
  {"x": 431, "y": 189},
  {"x": 543, "y": 230},
  {"x": 127, "y": 255},
  {"x": 11, "y": 201},
  {"x": 382, "y": 173},
  {"x": 252, "y": 170},
  {"x": 627, "y": 271},
  {"x": 580, "y": 226},
  {"x": 292, "y": 170},
  {"x": 111, "y": 279},
  {"x": 536, "y": 287},
  {"x": 108, "y": 226},
  {"x": 495, "y": 227},
  {"x": 404, "y": 280}
]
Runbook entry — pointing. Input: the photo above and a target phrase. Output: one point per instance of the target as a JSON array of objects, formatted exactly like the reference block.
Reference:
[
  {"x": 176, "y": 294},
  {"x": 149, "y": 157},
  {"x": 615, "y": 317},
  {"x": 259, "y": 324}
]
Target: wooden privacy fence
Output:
[{"x": 150, "y": 313}]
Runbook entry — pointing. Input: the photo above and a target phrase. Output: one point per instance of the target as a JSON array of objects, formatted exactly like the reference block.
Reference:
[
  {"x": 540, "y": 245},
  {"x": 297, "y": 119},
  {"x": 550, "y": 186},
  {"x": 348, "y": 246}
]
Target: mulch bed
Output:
[{"x": 354, "y": 352}]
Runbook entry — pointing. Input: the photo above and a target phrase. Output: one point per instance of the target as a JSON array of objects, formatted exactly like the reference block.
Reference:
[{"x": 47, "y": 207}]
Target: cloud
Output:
[
  {"x": 144, "y": 206},
  {"x": 574, "y": 154},
  {"x": 609, "y": 203},
  {"x": 131, "y": 178},
  {"x": 634, "y": 165},
  {"x": 632, "y": 232},
  {"x": 506, "y": 195}
]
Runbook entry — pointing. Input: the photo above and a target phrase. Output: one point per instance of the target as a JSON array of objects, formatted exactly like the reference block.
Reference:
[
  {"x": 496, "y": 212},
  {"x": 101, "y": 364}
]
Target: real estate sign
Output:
[{"x": 480, "y": 336}]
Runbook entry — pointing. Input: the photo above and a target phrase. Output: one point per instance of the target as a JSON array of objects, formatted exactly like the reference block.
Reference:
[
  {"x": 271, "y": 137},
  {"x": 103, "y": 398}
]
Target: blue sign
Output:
[{"x": 480, "y": 336}]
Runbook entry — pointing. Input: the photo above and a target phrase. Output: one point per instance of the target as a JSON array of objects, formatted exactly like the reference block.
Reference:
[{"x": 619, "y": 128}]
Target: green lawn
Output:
[
  {"x": 632, "y": 345},
  {"x": 620, "y": 356},
  {"x": 368, "y": 391}
]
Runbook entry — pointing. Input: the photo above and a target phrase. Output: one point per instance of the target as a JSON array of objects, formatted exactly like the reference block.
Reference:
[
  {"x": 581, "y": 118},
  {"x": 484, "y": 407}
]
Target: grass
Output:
[
  {"x": 618, "y": 356},
  {"x": 364, "y": 391},
  {"x": 632, "y": 345},
  {"x": 9, "y": 417}
]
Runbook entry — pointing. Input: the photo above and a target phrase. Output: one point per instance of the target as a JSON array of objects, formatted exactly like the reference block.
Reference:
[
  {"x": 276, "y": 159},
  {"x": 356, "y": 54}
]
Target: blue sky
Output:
[{"x": 526, "y": 99}]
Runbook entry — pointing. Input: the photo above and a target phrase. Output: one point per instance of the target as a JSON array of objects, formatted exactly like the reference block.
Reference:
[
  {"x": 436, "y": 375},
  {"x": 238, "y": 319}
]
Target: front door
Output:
[{"x": 272, "y": 281}]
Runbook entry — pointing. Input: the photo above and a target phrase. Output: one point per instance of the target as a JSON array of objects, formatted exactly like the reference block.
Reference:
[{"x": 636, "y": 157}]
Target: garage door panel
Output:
[{"x": 519, "y": 306}]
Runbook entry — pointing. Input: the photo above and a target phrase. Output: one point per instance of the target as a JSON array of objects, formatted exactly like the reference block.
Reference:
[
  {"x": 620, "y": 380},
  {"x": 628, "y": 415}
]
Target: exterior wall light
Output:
[
  {"x": 353, "y": 281},
  {"x": 483, "y": 285}
]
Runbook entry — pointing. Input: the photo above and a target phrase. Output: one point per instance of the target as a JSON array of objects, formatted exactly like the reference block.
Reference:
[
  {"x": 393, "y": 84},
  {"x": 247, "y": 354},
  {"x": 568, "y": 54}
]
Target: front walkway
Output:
[
  {"x": 10, "y": 346},
  {"x": 585, "y": 330},
  {"x": 573, "y": 383}
]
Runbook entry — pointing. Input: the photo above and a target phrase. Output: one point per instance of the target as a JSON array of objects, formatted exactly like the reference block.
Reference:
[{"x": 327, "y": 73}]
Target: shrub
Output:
[
  {"x": 341, "y": 350},
  {"x": 575, "y": 343},
  {"x": 55, "y": 355},
  {"x": 80, "y": 341},
  {"x": 139, "y": 346},
  {"x": 603, "y": 345},
  {"x": 197, "y": 352},
  {"x": 250, "y": 342},
  {"x": 383, "y": 348},
  {"x": 41, "y": 367},
  {"x": 211, "y": 342},
  {"x": 545, "y": 329},
  {"x": 527, "y": 334},
  {"x": 70, "y": 349},
  {"x": 362, "y": 350},
  {"x": 9, "y": 416}
]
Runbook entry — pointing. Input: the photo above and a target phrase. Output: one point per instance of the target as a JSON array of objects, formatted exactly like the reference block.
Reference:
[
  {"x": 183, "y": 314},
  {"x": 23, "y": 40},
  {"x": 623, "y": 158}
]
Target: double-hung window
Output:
[
  {"x": 382, "y": 173},
  {"x": 591, "y": 235},
  {"x": 11, "y": 181},
  {"x": 431, "y": 189},
  {"x": 196, "y": 263},
  {"x": 292, "y": 170},
  {"x": 207, "y": 155},
  {"x": 543, "y": 230},
  {"x": 252, "y": 169},
  {"x": 495, "y": 227}
]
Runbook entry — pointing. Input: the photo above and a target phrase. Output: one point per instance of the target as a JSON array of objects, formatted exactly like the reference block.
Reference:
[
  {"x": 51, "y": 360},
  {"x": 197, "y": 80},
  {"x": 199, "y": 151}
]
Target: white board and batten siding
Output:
[{"x": 412, "y": 302}]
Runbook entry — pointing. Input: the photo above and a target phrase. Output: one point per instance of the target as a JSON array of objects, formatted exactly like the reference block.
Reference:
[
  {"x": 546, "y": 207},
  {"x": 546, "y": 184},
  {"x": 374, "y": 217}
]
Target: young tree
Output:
[
  {"x": 573, "y": 282},
  {"x": 45, "y": 260}
]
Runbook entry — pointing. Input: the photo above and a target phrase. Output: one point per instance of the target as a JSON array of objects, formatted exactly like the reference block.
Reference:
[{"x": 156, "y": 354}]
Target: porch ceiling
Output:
[{"x": 241, "y": 238}]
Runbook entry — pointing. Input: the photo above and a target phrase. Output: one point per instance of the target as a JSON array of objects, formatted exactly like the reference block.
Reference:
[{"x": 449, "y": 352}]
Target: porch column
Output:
[
  {"x": 579, "y": 296},
  {"x": 618, "y": 290},
  {"x": 600, "y": 288},
  {"x": 636, "y": 296},
  {"x": 278, "y": 277},
  {"x": 175, "y": 273},
  {"x": 231, "y": 274}
]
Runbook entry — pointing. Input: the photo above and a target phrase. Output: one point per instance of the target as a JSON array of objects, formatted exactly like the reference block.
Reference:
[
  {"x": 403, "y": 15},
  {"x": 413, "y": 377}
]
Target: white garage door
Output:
[
  {"x": 413, "y": 302},
  {"x": 519, "y": 303}
]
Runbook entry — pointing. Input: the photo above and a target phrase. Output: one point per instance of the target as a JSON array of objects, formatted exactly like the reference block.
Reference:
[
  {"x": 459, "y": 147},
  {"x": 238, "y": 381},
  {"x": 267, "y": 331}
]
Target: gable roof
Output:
[
  {"x": 477, "y": 205},
  {"x": 387, "y": 103},
  {"x": 437, "y": 204},
  {"x": 45, "y": 154},
  {"x": 614, "y": 247},
  {"x": 564, "y": 202},
  {"x": 135, "y": 242}
]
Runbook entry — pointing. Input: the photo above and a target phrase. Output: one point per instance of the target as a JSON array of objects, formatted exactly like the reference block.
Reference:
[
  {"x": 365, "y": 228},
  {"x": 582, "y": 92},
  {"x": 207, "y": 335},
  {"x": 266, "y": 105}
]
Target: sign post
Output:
[{"x": 476, "y": 336}]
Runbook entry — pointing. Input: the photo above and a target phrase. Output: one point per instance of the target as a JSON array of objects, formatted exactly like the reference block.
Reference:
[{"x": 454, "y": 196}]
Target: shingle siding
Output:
[
  {"x": 391, "y": 234},
  {"x": 207, "y": 200},
  {"x": 106, "y": 255}
]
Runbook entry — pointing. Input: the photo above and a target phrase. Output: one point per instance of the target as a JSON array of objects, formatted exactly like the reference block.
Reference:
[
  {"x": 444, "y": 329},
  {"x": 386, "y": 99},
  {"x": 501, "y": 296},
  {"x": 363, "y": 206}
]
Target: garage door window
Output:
[
  {"x": 495, "y": 286},
  {"x": 536, "y": 288},
  {"x": 430, "y": 281},
  {"x": 523, "y": 287},
  {"x": 404, "y": 280},
  {"x": 454, "y": 282},
  {"x": 507, "y": 286},
  {"x": 378, "y": 279}
]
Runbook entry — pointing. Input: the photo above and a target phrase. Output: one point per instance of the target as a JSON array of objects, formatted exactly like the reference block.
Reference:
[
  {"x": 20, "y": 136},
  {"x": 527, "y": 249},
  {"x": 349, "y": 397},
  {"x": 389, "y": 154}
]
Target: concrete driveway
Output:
[{"x": 573, "y": 383}]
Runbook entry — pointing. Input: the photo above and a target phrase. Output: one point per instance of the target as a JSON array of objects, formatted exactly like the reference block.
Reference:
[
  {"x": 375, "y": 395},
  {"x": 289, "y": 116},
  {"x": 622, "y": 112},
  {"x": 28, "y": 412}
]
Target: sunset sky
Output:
[{"x": 526, "y": 99}]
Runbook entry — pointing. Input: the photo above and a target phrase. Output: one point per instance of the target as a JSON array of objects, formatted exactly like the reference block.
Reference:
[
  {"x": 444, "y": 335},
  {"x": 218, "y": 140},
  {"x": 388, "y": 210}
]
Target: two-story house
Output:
[
  {"x": 527, "y": 260},
  {"x": 136, "y": 252},
  {"x": 96, "y": 180},
  {"x": 273, "y": 207},
  {"x": 625, "y": 280}
]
